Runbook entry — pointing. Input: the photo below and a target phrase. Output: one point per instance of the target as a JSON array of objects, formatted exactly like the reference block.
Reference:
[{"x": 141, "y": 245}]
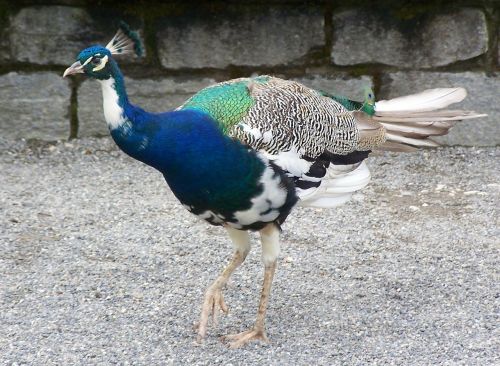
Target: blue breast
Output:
[{"x": 204, "y": 168}]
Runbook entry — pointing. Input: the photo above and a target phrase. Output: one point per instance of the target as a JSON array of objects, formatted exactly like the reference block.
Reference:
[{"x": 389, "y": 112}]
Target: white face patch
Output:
[
  {"x": 101, "y": 66},
  {"x": 87, "y": 61}
]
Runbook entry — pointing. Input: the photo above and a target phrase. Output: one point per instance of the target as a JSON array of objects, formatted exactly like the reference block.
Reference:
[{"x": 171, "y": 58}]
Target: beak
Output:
[{"x": 76, "y": 68}]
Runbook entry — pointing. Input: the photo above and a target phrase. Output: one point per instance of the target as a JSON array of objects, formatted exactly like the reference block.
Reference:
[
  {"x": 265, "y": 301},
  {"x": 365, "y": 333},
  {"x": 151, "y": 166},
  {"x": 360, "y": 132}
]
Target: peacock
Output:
[{"x": 243, "y": 153}]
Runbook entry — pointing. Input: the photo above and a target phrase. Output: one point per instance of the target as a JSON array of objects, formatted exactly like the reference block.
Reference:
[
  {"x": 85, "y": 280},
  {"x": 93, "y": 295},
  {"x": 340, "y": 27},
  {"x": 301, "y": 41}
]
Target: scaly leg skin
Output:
[
  {"x": 214, "y": 301},
  {"x": 270, "y": 252}
]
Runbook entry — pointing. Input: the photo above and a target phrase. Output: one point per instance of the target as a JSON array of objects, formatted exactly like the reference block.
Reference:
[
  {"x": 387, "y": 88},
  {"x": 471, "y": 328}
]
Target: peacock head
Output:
[
  {"x": 369, "y": 96},
  {"x": 97, "y": 61},
  {"x": 94, "y": 61}
]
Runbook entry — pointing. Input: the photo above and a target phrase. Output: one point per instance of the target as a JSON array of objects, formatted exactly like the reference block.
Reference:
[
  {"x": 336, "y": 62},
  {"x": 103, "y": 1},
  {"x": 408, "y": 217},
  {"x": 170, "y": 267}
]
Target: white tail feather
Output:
[
  {"x": 337, "y": 187},
  {"x": 411, "y": 119},
  {"x": 428, "y": 100},
  {"x": 434, "y": 113},
  {"x": 413, "y": 128},
  {"x": 411, "y": 141},
  {"x": 430, "y": 117}
]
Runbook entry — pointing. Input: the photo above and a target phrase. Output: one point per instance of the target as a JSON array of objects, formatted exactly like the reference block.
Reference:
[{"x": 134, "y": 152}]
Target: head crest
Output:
[{"x": 125, "y": 41}]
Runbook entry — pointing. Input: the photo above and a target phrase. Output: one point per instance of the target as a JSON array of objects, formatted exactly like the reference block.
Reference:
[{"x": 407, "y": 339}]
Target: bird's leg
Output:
[
  {"x": 270, "y": 251},
  {"x": 213, "y": 296}
]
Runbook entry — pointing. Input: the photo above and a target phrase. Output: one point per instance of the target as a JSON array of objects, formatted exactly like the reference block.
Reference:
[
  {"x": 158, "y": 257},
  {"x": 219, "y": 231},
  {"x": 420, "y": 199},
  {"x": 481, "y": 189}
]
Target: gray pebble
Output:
[{"x": 99, "y": 264}]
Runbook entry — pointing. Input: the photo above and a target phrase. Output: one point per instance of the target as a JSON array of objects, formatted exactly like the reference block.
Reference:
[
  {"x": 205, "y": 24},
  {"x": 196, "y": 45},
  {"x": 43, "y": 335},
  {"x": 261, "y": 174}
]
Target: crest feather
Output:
[{"x": 125, "y": 41}]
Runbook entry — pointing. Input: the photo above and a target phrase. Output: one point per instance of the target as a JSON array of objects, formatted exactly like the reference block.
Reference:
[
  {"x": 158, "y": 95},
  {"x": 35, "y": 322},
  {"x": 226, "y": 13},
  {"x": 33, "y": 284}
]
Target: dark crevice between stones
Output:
[
  {"x": 377, "y": 85},
  {"x": 317, "y": 55},
  {"x": 474, "y": 64},
  {"x": 73, "y": 110},
  {"x": 289, "y": 71},
  {"x": 5, "y": 9},
  {"x": 27, "y": 67},
  {"x": 150, "y": 43},
  {"x": 361, "y": 69},
  {"x": 328, "y": 13},
  {"x": 492, "y": 62}
]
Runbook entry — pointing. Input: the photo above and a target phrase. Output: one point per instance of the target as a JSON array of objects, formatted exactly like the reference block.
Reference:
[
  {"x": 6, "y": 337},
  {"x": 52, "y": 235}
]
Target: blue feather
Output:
[{"x": 203, "y": 167}]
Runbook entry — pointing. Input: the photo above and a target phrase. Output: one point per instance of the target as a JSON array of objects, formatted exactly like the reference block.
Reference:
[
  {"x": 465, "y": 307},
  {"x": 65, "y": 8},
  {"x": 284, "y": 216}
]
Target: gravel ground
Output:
[{"x": 100, "y": 265}]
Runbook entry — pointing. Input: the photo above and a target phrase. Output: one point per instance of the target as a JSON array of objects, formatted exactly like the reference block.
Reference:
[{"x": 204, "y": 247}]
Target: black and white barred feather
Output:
[{"x": 288, "y": 116}]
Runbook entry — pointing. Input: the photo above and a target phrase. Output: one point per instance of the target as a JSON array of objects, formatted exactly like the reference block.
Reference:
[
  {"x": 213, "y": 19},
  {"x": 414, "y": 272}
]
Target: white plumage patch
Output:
[
  {"x": 212, "y": 217},
  {"x": 337, "y": 187},
  {"x": 265, "y": 207},
  {"x": 254, "y": 132},
  {"x": 113, "y": 113},
  {"x": 267, "y": 136},
  {"x": 240, "y": 240},
  {"x": 270, "y": 238},
  {"x": 290, "y": 161}
]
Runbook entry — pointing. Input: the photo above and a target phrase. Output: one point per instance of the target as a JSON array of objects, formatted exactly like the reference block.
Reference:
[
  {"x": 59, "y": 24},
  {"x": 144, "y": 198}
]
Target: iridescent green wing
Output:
[
  {"x": 367, "y": 106},
  {"x": 227, "y": 103}
]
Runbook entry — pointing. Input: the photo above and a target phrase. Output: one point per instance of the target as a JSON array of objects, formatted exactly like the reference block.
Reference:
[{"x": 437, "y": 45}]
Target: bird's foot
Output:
[
  {"x": 212, "y": 304},
  {"x": 240, "y": 339}
]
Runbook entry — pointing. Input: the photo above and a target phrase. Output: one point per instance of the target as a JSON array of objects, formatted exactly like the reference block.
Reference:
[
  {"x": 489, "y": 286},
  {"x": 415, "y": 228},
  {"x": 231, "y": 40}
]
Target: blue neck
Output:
[
  {"x": 119, "y": 86},
  {"x": 200, "y": 163},
  {"x": 124, "y": 119},
  {"x": 161, "y": 140}
]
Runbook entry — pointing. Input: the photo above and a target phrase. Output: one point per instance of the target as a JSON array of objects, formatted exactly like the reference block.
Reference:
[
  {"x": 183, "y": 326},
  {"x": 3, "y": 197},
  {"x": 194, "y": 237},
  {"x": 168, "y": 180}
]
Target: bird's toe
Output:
[
  {"x": 212, "y": 305},
  {"x": 240, "y": 339}
]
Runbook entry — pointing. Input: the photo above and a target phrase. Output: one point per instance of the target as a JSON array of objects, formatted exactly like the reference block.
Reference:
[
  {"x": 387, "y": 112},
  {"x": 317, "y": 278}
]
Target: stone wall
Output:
[{"x": 397, "y": 47}]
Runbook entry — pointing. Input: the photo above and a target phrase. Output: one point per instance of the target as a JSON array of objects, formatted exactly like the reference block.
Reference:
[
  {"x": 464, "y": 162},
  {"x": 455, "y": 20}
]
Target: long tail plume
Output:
[{"x": 409, "y": 121}]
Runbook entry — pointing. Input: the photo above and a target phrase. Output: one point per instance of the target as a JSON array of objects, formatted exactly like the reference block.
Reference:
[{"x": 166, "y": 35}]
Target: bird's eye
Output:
[{"x": 95, "y": 61}]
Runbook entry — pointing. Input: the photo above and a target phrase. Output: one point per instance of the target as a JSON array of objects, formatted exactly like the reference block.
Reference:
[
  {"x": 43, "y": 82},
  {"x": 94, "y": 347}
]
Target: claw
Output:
[
  {"x": 219, "y": 305},
  {"x": 243, "y": 338},
  {"x": 213, "y": 303}
]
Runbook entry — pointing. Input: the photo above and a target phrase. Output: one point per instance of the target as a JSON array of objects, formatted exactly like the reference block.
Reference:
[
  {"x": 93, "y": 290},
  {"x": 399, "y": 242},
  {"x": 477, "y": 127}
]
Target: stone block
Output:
[
  {"x": 152, "y": 95},
  {"x": 362, "y": 37},
  {"x": 269, "y": 37},
  {"x": 34, "y": 106},
  {"x": 339, "y": 84},
  {"x": 483, "y": 92},
  {"x": 54, "y": 35}
]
